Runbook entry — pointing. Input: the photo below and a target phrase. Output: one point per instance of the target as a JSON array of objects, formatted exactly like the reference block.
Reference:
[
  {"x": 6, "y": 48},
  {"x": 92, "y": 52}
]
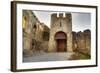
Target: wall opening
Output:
[{"x": 61, "y": 41}]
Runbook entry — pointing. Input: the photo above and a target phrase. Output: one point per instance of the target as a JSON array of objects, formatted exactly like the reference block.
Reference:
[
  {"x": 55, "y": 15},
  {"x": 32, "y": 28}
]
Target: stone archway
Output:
[{"x": 61, "y": 41}]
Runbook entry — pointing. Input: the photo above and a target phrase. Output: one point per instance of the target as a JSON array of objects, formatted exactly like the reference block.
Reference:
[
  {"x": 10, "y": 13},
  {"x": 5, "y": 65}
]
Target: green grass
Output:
[
  {"x": 84, "y": 56},
  {"x": 79, "y": 56}
]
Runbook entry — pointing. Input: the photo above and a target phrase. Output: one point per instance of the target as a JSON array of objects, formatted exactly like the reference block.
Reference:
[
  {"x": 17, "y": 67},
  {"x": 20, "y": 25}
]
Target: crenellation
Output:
[
  {"x": 61, "y": 15},
  {"x": 53, "y": 19}
]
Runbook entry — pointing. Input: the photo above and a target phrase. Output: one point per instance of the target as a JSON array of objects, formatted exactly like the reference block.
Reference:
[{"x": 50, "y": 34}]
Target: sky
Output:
[{"x": 80, "y": 21}]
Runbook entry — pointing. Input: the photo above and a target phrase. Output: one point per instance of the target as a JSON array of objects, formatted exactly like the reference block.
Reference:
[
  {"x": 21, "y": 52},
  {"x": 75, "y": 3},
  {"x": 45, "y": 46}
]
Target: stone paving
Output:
[{"x": 42, "y": 57}]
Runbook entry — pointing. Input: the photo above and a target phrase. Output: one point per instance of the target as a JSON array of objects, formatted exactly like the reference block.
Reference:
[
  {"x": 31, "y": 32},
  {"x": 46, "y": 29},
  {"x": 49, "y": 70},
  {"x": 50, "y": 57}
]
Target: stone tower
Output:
[{"x": 61, "y": 33}]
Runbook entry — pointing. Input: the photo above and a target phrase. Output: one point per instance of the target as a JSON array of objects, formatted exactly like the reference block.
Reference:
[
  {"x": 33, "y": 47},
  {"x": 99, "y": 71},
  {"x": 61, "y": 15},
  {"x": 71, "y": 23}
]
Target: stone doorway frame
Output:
[{"x": 61, "y": 36}]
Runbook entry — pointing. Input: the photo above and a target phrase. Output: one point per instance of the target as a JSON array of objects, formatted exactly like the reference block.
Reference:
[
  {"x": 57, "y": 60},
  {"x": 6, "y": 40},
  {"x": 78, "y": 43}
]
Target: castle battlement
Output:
[
  {"x": 61, "y": 19},
  {"x": 61, "y": 15}
]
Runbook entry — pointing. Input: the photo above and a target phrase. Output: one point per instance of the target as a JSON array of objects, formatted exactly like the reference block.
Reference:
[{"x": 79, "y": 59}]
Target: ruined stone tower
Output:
[{"x": 61, "y": 33}]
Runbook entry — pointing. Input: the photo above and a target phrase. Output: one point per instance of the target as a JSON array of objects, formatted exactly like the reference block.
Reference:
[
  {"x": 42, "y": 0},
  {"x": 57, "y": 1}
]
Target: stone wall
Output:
[
  {"x": 82, "y": 41},
  {"x": 33, "y": 31},
  {"x": 27, "y": 29}
]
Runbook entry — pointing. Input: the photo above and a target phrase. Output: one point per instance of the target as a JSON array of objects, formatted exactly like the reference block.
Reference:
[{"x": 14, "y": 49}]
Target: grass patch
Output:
[
  {"x": 84, "y": 56},
  {"x": 79, "y": 56}
]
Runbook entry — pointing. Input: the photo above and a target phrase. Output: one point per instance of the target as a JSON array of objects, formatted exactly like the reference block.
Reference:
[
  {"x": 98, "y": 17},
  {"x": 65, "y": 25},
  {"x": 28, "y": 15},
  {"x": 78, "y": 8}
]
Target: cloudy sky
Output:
[{"x": 80, "y": 21}]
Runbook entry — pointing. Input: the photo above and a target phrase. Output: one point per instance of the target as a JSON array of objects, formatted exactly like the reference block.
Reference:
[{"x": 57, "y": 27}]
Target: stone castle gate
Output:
[{"x": 61, "y": 33}]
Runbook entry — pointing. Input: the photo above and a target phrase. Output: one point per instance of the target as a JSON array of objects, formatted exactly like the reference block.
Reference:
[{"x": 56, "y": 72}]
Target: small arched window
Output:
[{"x": 34, "y": 26}]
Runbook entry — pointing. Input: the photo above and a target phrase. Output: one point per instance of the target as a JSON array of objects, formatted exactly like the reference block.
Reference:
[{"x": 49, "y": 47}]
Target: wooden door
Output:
[
  {"x": 60, "y": 38},
  {"x": 61, "y": 45}
]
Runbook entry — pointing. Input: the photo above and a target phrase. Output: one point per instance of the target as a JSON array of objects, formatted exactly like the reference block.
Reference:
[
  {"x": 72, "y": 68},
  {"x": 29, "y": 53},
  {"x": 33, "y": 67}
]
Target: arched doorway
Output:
[{"x": 61, "y": 41}]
